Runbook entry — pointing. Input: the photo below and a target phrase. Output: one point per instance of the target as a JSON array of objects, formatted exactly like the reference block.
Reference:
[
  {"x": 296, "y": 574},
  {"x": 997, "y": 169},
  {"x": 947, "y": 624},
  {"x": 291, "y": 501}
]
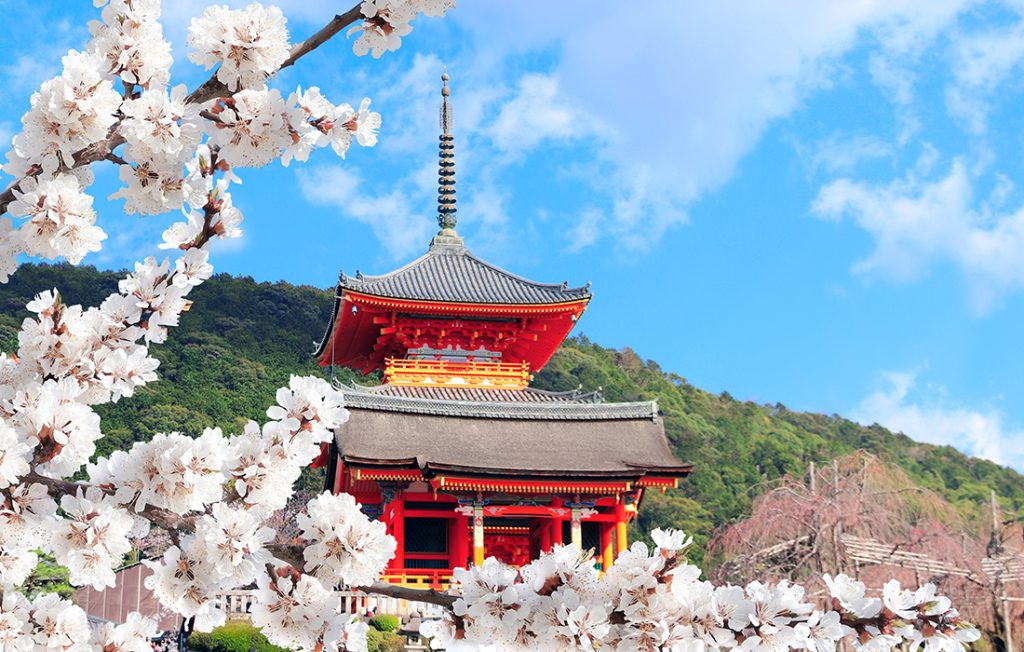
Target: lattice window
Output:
[{"x": 426, "y": 535}]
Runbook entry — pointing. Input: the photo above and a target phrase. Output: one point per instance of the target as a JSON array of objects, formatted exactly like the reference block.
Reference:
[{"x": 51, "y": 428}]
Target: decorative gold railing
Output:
[{"x": 473, "y": 373}]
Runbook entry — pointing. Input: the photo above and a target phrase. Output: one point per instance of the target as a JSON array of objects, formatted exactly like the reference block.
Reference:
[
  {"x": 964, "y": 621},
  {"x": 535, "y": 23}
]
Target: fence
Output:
[{"x": 238, "y": 604}]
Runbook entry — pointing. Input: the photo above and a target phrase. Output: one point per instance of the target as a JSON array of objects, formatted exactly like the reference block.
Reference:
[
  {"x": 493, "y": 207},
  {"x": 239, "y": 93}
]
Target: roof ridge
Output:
[
  {"x": 563, "y": 286},
  {"x": 360, "y": 277}
]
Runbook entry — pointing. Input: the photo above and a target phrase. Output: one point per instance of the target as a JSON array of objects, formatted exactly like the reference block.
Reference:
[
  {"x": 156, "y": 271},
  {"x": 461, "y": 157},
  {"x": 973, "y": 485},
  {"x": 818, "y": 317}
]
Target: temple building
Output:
[{"x": 455, "y": 452}]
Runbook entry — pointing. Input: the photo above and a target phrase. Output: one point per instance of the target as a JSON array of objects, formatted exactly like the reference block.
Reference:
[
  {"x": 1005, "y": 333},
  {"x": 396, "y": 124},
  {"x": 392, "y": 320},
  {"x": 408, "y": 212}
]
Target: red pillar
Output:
[
  {"x": 459, "y": 541},
  {"x": 621, "y": 518},
  {"x": 556, "y": 525},
  {"x": 545, "y": 535},
  {"x": 397, "y": 509},
  {"x": 607, "y": 552}
]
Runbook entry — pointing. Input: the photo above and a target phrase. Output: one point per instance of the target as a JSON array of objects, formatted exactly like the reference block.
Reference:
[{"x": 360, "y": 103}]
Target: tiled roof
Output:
[
  {"x": 451, "y": 273},
  {"x": 620, "y": 448},
  {"x": 526, "y": 404}
]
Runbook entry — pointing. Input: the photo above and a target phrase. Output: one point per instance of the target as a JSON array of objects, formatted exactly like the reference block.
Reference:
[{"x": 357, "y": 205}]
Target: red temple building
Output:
[{"x": 455, "y": 452}]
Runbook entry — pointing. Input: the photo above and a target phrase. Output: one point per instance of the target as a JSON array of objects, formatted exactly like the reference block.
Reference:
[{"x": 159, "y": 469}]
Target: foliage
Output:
[
  {"x": 234, "y": 636},
  {"x": 383, "y": 641},
  {"x": 47, "y": 577},
  {"x": 385, "y": 623}
]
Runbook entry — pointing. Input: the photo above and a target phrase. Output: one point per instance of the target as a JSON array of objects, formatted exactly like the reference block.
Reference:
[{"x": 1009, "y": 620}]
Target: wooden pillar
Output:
[
  {"x": 607, "y": 552},
  {"x": 621, "y": 538},
  {"x": 576, "y": 528},
  {"x": 460, "y": 541},
  {"x": 478, "y": 535},
  {"x": 545, "y": 535},
  {"x": 398, "y": 531}
]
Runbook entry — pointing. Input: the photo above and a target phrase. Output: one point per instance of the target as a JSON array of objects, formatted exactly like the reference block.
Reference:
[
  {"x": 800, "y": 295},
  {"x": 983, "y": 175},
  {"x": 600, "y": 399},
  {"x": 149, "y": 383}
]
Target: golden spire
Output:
[{"x": 446, "y": 217}]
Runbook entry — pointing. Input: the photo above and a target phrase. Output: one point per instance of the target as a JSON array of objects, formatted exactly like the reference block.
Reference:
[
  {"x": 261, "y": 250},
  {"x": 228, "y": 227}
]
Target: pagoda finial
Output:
[{"x": 446, "y": 210}]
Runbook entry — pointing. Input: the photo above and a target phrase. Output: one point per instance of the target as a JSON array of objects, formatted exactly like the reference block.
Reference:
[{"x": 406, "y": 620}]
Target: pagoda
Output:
[{"x": 455, "y": 452}]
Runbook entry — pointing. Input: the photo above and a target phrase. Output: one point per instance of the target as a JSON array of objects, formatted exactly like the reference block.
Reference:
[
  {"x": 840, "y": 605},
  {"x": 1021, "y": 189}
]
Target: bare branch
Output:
[{"x": 429, "y": 596}]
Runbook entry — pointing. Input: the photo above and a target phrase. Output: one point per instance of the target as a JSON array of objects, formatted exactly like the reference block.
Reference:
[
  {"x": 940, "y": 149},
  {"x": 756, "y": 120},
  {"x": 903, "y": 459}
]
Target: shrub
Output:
[
  {"x": 385, "y": 623},
  {"x": 378, "y": 641},
  {"x": 234, "y": 636}
]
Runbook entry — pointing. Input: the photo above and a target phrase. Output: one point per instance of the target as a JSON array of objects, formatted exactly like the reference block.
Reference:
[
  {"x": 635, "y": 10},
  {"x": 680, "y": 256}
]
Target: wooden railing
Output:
[
  {"x": 238, "y": 604},
  {"x": 419, "y": 371},
  {"x": 420, "y": 578}
]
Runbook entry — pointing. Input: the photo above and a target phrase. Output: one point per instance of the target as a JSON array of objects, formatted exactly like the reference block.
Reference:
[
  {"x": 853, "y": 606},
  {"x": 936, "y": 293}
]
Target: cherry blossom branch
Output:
[
  {"x": 213, "y": 87},
  {"x": 98, "y": 151},
  {"x": 210, "y": 89},
  {"x": 158, "y": 516},
  {"x": 338, "y": 23},
  {"x": 288, "y": 553}
]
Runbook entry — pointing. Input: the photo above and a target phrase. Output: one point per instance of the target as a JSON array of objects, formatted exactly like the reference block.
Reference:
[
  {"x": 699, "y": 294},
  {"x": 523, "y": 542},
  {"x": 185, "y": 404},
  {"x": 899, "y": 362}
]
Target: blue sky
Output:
[{"x": 811, "y": 203}]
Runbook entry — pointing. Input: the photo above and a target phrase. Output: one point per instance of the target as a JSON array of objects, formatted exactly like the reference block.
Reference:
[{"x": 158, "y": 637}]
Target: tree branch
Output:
[
  {"x": 430, "y": 596},
  {"x": 158, "y": 516},
  {"x": 213, "y": 87},
  {"x": 95, "y": 152}
]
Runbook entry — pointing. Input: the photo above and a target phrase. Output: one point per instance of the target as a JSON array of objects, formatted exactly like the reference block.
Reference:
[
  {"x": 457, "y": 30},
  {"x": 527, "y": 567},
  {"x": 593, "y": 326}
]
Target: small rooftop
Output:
[
  {"x": 491, "y": 404},
  {"x": 451, "y": 273}
]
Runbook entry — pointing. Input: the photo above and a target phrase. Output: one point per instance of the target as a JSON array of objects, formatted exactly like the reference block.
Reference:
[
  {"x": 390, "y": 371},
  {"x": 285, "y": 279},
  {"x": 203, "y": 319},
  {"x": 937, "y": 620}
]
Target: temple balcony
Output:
[{"x": 463, "y": 373}]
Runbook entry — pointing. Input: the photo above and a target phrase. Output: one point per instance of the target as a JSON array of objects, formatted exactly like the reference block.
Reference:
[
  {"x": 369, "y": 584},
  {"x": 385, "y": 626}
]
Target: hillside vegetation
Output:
[{"x": 243, "y": 339}]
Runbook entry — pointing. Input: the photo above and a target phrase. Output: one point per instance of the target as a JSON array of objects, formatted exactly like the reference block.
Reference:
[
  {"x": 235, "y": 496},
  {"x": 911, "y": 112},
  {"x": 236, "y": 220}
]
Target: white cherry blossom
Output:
[
  {"x": 133, "y": 635},
  {"x": 297, "y": 612},
  {"x": 161, "y": 126},
  {"x": 68, "y": 113},
  {"x": 898, "y": 600},
  {"x": 247, "y": 44},
  {"x": 59, "y": 625},
  {"x": 821, "y": 632},
  {"x": 252, "y": 130},
  {"x": 15, "y": 455},
  {"x": 344, "y": 545},
  {"x": 60, "y": 218},
  {"x": 851, "y": 596},
  {"x": 131, "y": 43}
]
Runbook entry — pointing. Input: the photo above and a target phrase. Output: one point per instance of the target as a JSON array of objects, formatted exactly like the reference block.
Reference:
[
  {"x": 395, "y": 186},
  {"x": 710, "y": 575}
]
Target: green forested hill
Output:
[{"x": 242, "y": 339}]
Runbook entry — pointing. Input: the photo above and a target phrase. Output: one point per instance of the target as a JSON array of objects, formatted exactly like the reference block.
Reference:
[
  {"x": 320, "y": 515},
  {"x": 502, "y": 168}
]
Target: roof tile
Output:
[{"x": 452, "y": 273}]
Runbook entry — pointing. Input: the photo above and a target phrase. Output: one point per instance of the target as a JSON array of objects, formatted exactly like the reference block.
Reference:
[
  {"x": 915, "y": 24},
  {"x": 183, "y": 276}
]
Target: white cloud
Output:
[
  {"x": 685, "y": 90},
  {"x": 895, "y": 78},
  {"x": 536, "y": 113},
  {"x": 982, "y": 61},
  {"x": 841, "y": 154},
  {"x": 586, "y": 231},
  {"x": 400, "y": 228},
  {"x": 919, "y": 221},
  {"x": 927, "y": 415}
]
